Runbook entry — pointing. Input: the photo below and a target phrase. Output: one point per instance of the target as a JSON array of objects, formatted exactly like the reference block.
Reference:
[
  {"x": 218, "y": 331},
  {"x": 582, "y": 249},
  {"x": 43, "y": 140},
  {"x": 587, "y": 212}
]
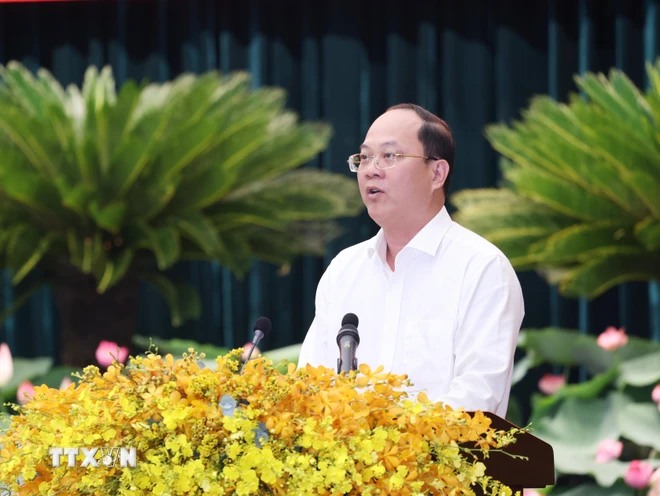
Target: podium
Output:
[{"x": 537, "y": 471}]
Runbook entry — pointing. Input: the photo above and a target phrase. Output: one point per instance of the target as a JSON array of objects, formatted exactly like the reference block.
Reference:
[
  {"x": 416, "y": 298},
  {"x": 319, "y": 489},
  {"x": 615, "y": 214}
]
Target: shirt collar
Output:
[{"x": 427, "y": 240}]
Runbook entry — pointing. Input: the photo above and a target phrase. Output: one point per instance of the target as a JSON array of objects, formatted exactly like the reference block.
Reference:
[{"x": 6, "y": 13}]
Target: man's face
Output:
[{"x": 401, "y": 197}]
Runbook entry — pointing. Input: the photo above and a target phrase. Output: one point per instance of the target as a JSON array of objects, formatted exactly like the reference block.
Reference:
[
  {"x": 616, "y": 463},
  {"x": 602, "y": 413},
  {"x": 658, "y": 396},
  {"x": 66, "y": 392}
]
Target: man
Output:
[{"x": 435, "y": 301}]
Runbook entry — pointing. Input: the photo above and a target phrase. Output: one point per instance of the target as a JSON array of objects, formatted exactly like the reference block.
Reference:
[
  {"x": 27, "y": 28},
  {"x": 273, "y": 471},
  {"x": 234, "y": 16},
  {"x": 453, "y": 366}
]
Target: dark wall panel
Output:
[{"x": 473, "y": 62}]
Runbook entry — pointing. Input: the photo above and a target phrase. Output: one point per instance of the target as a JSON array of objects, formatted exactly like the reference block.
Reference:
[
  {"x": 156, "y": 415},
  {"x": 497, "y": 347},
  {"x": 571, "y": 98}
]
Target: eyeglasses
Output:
[{"x": 383, "y": 161}]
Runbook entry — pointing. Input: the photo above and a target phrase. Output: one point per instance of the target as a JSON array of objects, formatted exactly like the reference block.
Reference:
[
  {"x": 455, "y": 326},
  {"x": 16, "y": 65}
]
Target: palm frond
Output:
[
  {"x": 581, "y": 198},
  {"x": 120, "y": 183}
]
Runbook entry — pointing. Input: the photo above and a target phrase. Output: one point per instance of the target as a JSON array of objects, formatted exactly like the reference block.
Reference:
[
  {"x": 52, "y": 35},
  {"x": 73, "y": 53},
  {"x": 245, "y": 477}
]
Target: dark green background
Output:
[{"x": 343, "y": 62}]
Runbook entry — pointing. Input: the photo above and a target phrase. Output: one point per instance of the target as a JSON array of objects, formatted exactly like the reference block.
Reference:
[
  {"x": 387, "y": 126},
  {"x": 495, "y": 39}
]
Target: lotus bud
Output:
[
  {"x": 608, "y": 450},
  {"x": 638, "y": 474},
  {"x": 6, "y": 364},
  {"x": 612, "y": 338},
  {"x": 108, "y": 351},
  {"x": 550, "y": 383},
  {"x": 25, "y": 392}
]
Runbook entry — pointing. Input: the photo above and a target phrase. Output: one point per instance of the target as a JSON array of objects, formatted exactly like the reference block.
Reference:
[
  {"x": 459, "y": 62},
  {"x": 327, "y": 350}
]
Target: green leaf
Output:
[
  {"x": 580, "y": 242},
  {"x": 109, "y": 217},
  {"x": 598, "y": 275},
  {"x": 566, "y": 197},
  {"x": 640, "y": 423},
  {"x": 589, "y": 389},
  {"x": 27, "y": 369},
  {"x": 565, "y": 347},
  {"x": 197, "y": 228},
  {"x": 648, "y": 232},
  {"x": 575, "y": 430},
  {"x": 641, "y": 370},
  {"x": 115, "y": 269},
  {"x": 165, "y": 242}
]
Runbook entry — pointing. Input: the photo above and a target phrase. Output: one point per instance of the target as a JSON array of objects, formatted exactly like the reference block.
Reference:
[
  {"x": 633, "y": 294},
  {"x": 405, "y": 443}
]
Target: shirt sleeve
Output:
[{"x": 490, "y": 316}]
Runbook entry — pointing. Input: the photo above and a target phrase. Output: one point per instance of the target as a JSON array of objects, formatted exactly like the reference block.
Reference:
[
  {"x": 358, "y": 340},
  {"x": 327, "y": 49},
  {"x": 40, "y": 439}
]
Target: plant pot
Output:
[{"x": 88, "y": 317}]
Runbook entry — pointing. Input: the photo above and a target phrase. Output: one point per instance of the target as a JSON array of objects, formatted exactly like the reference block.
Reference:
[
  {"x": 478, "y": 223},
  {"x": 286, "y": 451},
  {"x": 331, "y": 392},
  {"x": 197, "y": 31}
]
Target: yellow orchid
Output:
[{"x": 216, "y": 431}]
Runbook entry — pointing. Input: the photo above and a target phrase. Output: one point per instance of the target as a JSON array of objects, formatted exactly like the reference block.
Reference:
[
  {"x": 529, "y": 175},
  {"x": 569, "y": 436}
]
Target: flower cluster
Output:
[{"x": 200, "y": 430}]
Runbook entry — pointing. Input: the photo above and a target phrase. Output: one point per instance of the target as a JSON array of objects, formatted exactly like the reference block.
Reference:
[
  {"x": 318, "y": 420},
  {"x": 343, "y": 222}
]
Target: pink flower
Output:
[
  {"x": 638, "y": 474},
  {"x": 608, "y": 450},
  {"x": 612, "y": 338},
  {"x": 655, "y": 394},
  {"x": 550, "y": 383},
  {"x": 25, "y": 392},
  {"x": 6, "y": 364},
  {"x": 654, "y": 482},
  {"x": 531, "y": 492},
  {"x": 109, "y": 351}
]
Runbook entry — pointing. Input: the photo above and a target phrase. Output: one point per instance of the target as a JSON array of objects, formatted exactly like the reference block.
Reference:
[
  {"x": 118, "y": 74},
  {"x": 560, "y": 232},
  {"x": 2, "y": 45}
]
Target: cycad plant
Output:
[
  {"x": 102, "y": 188},
  {"x": 580, "y": 201}
]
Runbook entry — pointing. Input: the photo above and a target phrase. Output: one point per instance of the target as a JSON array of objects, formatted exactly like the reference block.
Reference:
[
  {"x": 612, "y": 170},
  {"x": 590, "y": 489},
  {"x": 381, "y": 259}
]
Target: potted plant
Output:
[
  {"x": 579, "y": 202},
  {"x": 103, "y": 189}
]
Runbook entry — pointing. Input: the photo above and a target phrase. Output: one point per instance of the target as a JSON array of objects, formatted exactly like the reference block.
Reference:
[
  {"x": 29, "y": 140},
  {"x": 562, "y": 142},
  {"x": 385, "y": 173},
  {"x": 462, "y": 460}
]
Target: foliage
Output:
[
  {"x": 614, "y": 403},
  {"x": 127, "y": 183},
  {"x": 582, "y": 183},
  {"x": 195, "y": 430}
]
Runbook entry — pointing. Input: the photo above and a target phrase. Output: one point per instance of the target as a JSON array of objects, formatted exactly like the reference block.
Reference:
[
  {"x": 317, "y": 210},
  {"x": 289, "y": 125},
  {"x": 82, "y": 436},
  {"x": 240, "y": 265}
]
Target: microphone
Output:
[
  {"x": 348, "y": 340},
  {"x": 261, "y": 328}
]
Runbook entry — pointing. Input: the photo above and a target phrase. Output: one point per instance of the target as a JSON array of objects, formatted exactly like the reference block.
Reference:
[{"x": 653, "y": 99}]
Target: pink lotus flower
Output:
[
  {"x": 638, "y": 474},
  {"x": 655, "y": 394},
  {"x": 550, "y": 383},
  {"x": 612, "y": 338},
  {"x": 6, "y": 364},
  {"x": 654, "y": 482},
  {"x": 25, "y": 392},
  {"x": 531, "y": 492},
  {"x": 109, "y": 351},
  {"x": 608, "y": 450}
]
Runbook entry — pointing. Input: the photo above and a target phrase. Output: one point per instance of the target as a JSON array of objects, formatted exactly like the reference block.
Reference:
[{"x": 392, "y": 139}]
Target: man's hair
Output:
[{"x": 435, "y": 135}]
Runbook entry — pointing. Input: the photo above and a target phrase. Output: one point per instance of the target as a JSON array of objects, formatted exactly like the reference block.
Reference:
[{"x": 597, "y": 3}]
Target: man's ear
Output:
[{"x": 440, "y": 173}]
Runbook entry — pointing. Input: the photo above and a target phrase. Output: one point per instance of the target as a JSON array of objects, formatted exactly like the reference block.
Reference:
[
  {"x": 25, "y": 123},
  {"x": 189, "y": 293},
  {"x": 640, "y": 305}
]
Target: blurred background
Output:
[{"x": 341, "y": 62}]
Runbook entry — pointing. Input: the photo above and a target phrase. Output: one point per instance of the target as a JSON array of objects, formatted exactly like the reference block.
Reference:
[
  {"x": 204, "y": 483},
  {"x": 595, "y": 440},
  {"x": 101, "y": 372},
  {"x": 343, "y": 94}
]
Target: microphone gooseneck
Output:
[{"x": 261, "y": 329}]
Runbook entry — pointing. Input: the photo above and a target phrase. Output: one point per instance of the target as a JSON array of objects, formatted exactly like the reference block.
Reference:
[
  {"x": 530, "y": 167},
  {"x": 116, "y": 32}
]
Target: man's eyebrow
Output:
[{"x": 386, "y": 143}]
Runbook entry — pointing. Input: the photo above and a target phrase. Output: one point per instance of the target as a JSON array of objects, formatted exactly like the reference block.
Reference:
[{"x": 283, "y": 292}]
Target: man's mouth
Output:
[{"x": 372, "y": 190}]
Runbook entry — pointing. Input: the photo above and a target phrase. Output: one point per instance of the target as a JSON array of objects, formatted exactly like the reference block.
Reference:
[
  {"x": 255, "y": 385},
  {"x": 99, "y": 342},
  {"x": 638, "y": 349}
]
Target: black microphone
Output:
[
  {"x": 261, "y": 328},
  {"x": 348, "y": 340}
]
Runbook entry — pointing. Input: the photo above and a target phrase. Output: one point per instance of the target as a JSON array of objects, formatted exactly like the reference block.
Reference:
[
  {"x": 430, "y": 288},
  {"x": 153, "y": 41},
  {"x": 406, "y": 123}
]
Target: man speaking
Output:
[{"x": 434, "y": 300}]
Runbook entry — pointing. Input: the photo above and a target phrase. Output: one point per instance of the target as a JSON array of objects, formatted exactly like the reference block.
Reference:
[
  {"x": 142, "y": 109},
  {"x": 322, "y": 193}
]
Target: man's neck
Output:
[{"x": 397, "y": 238}]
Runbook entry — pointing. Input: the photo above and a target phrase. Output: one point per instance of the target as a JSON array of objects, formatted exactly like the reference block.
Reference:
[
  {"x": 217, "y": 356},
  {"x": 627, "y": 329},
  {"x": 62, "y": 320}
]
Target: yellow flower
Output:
[{"x": 307, "y": 431}]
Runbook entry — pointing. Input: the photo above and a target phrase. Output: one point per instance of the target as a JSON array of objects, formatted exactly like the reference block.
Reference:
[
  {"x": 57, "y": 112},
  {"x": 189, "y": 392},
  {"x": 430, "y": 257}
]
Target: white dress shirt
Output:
[{"x": 448, "y": 316}]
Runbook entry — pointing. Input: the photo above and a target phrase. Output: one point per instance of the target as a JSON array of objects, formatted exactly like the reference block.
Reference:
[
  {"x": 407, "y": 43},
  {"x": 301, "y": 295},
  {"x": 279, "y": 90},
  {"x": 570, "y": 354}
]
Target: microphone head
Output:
[
  {"x": 263, "y": 324},
  {"x": 349, "y": 319}
]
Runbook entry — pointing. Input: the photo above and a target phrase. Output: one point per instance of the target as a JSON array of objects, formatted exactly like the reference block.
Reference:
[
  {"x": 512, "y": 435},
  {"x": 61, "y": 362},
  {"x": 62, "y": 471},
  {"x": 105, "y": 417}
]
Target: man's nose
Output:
[{"x": 370, "y": 168}]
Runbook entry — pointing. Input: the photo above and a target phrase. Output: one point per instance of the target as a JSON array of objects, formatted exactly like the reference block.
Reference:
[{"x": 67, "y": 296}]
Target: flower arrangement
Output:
[{"x": 194, "y": 429}]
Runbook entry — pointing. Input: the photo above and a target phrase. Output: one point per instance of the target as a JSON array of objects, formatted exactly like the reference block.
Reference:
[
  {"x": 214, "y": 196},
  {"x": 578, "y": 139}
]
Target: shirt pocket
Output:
[{"x": 429, "y": 349}]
